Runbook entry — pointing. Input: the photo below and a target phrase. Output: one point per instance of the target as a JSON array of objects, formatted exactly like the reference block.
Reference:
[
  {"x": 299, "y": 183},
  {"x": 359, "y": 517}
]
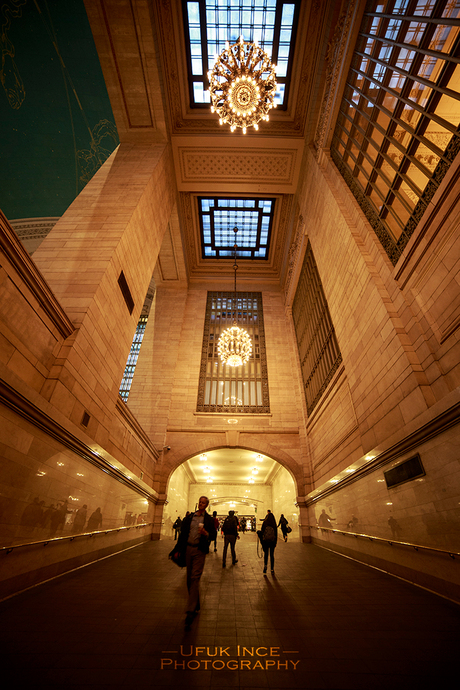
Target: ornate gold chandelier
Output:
[
  {"x": 234, "y": 345},
  {"x": 242, "y": 85}
]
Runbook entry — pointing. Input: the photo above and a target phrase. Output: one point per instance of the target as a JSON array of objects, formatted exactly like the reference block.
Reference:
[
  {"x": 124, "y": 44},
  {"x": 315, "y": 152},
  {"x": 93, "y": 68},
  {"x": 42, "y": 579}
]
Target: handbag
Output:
[
  {"x": 288, "y": 530},
  {"x": 178, "y": 557}
]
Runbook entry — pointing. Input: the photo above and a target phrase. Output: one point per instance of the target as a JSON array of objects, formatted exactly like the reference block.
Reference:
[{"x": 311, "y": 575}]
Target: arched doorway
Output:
[{"x": 233, "y": 479}]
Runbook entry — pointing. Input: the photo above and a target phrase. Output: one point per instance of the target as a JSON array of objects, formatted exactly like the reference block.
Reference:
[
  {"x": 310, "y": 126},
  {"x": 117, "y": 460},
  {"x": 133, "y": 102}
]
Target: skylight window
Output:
[
  {"x": 210, "y": 23},
  {"x": 252, "y": 217}
]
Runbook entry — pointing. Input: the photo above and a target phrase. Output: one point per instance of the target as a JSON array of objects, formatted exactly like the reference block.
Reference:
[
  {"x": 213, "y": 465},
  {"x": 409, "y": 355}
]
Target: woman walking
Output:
[
  {"x": 269, "y": 538},
  {"x": 283, "y": 523}
]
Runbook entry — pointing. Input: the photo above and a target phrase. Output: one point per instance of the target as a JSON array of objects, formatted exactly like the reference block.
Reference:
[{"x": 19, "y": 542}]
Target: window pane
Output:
[
  {"x": 270, "y": 22},
  {"x": 416, "y": 175},
  {"x": 233, "y": 389},
  {"x": 406, "y": 136},
  {"x": 449, "y": 110}
]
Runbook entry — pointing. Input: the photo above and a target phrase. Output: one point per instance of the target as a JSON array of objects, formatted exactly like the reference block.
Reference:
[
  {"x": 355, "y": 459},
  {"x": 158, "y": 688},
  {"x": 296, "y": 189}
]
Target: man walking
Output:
[
  {"x": 177, "y": 526},
  {"x": 196, "y": 534},
  {"x": 230, "y": 530}
]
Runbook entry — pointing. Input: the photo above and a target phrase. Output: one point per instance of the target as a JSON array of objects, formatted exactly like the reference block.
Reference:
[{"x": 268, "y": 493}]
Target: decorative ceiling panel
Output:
[{"x": 275, "y": 168}]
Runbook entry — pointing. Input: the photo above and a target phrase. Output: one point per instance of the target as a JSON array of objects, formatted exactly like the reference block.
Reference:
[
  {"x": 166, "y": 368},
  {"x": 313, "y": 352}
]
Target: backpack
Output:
[
  {"x": 269, "y": 533},
  {"x": 229, "y": 526}
]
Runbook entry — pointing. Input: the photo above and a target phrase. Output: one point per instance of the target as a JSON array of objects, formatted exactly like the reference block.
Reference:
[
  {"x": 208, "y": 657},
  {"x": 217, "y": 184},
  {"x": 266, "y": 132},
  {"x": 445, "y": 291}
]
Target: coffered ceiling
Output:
[{"x": 142, "y": 51}]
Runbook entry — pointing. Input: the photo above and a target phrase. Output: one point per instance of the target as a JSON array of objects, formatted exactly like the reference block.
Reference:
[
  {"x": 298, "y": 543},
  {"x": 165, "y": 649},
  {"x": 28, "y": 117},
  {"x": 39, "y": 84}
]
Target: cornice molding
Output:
[
  {"x": 130, "y": 419},
  {"x": 443, "y": 422},
  {"x": 33, "y": 228},
  {"x": 26, "y": 269},
  {"x": 334, "y": 61},
  {"x": 16, "y": 402},
  {"x": 293, "y": 261}
]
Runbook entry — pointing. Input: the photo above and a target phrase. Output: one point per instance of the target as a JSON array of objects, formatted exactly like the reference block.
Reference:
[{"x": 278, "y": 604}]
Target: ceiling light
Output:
[
  {"x": 234, "y": 346},
  {"x": 242, "y": 85},
  {"x": 209, "y": 480},
  {"x": 259, "y": 458},
  {"x": 203, "y": 457},
  {"x": 251, "y": 480},
  {"x": 255, "y": 470}
]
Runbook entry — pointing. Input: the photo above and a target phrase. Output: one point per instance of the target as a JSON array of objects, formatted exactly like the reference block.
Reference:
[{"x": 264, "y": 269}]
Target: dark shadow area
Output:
[{"x": 320, "y": 622}]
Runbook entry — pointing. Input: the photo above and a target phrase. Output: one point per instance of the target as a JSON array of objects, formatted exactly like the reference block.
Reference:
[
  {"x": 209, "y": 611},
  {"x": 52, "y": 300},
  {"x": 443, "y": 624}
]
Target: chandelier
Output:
[
  {"x": 234, "y": 345},
  {"x": 242, "y": 85}
]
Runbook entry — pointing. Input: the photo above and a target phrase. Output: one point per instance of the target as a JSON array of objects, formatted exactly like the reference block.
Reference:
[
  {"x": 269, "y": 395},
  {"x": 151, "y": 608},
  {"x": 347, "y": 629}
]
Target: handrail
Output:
[
  {"x": 391, "y": 542},
  {"x": 71, "y": 537}
]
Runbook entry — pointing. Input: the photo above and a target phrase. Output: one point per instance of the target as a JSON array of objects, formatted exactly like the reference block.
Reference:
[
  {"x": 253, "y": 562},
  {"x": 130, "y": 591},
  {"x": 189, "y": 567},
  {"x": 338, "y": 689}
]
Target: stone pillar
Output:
[
  {"x": 304, "y": 525},
  {"x": 114, "y": 226}
]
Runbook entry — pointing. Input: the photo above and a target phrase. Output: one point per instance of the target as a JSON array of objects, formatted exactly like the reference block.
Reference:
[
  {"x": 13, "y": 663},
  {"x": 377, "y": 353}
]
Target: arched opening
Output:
[{"x": 233, "y": 479}]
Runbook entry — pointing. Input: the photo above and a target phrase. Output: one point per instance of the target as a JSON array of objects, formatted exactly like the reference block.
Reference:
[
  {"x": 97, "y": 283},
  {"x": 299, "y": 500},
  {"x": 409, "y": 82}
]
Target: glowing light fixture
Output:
[
  {"x": 242, "y": 85},
  {"x": 234, "y": 346},
  {"x": 259, "y": 458},
  {"x": 203, "y": 457}
]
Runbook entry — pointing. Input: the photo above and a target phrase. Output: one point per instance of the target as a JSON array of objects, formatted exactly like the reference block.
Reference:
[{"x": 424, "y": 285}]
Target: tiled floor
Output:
[{"x": 322, "y": 621}]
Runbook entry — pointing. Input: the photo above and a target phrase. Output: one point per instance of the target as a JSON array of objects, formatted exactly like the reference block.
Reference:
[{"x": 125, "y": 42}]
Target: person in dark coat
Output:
[
  {"x": 283, "y": 523},
  {"x": 216, "y": 525},
  {"x": 80, "y": 519},
  {"x": 95, "y": 521},
  {"x": 269, "y": 537},
  {"x": 196, "y": 534},
  {"x": 31, "y": 517},
  {"x": 230, "y": 530},
  {"x": 177, "y": 526}
]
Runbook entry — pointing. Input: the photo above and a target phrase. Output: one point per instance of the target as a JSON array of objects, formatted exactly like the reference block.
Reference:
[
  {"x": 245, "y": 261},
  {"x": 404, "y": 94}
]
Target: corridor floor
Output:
[{"x": 320, "y": 622}]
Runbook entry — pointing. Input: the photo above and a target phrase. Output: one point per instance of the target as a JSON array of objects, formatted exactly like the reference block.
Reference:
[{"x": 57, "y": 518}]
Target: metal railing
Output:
[
  {"x": 391, "y": 542},
  {"x": 71, "y": 537}
]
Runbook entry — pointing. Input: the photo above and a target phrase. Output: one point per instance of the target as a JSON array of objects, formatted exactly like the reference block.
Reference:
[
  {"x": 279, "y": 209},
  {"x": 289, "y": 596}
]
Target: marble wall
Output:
[
  {"x": 284, "y": 500},
  {"x": 47, "y": 491},
  {"x": 178, "y": 501},
  {"x": 424, "y": 511}
]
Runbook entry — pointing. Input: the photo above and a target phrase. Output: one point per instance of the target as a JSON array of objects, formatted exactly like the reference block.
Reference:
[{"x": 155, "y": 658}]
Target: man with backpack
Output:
[
  {"x": 230, "y": 530},
  {"x": 176, "y": 527}
]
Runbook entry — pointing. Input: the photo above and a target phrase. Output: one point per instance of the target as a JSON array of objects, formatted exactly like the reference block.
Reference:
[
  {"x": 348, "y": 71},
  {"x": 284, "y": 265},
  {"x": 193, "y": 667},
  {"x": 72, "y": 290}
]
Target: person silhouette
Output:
[
  {"x": 269, "y": 538},
  {"x": 80, "y": 519},
  {"x": 95, "y": 521}
]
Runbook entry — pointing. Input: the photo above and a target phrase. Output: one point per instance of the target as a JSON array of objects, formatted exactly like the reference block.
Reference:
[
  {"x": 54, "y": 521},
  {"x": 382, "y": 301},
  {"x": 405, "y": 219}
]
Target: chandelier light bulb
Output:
[{"x": 242, "y": 85}]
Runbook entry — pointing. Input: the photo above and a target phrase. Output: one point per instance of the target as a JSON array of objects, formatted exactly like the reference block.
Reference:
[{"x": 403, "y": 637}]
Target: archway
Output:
[{"x": 236, "y": 479}]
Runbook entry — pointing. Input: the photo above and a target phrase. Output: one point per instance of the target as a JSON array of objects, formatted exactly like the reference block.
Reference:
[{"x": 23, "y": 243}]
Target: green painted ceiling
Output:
[{"x": 56, "y": 122}]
